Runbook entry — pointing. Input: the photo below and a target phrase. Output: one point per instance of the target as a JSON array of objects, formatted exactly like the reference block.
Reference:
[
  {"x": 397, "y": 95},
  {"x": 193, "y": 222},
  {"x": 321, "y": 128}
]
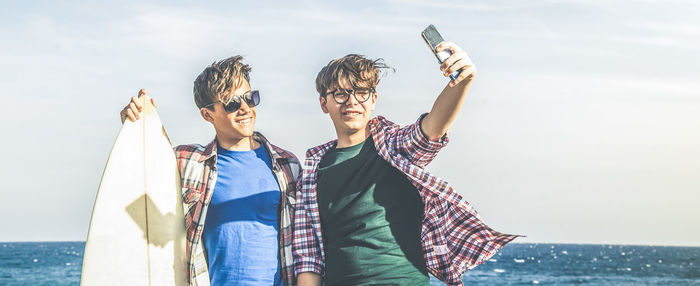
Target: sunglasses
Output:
[{"x": 252, "y": 99}]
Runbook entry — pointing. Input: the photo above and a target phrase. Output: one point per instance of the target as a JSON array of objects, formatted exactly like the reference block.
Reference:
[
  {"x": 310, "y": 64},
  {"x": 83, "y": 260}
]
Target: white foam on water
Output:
[
  {"x": 499, "y": 270},
  {"x": 535, "y": 282},
  {"x": 518, "y": 260},
  {"x": 35, "y": 260},
  {"x": 67, "y": 263},
  {"x": 493, "y": 260},
  {"x": 565, "y": 252},
  {"x": 648, "y": 265}
]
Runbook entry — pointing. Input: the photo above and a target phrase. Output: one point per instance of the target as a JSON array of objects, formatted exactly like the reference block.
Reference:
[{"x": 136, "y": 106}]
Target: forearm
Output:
[
  {"x": 445, "y": 109},
  {"x": 309, "y": 279},
  {"x": 305, "y": 245}
]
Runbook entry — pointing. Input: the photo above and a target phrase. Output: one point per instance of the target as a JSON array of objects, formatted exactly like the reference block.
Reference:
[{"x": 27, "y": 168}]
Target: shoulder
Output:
[
  {"x": 276, "y": 152},
  {"x": 382, "y": 122},
  {"x": 318, "y": 151},
  {"x": 381, "y": 127},
  {"x": 189, "y": 151},
  {"x": 284, "y": 154},
  {"x": 288, "y": 162}
]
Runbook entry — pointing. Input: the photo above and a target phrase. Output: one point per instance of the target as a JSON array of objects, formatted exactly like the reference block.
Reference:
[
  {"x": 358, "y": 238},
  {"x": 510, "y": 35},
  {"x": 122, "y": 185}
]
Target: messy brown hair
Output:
[
  {"x": 359, "y": 70},
  {"x": 217, "y": 81}
]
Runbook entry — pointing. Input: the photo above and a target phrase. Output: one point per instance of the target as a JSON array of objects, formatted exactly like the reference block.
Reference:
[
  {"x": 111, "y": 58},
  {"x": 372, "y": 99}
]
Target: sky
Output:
[{"x": 582, "y": 124}]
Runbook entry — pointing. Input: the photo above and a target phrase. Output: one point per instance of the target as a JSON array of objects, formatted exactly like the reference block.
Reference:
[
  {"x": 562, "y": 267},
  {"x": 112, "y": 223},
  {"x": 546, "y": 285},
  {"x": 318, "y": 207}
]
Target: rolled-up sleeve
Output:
[
  {"x": 413, "y": 144},
  {"x": 306, "y": 245}
]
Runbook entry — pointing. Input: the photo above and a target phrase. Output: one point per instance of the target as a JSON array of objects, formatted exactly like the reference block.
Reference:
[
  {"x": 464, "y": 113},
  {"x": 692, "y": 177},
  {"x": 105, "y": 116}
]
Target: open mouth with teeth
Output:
[
  {"x": 244, "y": 121},
  {"x": 351, "y": 113}
]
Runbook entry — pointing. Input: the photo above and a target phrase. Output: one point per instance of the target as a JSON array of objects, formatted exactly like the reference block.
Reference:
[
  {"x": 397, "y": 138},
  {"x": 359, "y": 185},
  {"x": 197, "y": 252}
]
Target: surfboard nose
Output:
[{"x": 148, "y": 107}]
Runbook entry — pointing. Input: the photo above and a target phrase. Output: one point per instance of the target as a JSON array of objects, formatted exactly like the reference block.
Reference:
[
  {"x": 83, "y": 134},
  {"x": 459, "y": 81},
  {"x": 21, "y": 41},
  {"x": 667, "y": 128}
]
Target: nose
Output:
[
  {"x": 351, "y": 100},
  {"x": 244, "y": 109}
]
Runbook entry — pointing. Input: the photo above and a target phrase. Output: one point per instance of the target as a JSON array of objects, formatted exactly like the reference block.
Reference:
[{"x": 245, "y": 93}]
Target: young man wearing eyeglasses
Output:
[
  {"x": 237, "y": 190},
  {"x": 367, "y": 210}
]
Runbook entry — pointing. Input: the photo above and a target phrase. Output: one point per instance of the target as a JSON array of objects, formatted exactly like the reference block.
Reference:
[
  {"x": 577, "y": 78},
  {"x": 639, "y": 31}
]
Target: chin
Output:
[
  {"x": 247, "y": 133},
  {"x": 242, "y": 133},
  {"x": 354, "y": 127}
]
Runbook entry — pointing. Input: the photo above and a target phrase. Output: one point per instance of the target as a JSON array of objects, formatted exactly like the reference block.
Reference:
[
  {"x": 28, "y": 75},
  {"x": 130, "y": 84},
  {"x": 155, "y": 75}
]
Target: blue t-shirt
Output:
[{"x": 240, "y": 230}]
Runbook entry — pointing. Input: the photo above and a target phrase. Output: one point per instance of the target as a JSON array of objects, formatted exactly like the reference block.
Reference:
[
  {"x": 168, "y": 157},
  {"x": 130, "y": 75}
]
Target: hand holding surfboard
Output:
[
  {"x": 135, "y": 106},
  {"x": 136, "y": 234}
]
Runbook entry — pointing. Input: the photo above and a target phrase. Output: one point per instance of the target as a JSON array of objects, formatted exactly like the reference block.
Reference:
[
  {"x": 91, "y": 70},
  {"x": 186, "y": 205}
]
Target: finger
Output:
[
  {"x": 136, "y": 101},
  {"x": 467, "y": 72},
  {"x": 134, "y": 110},
  {"x": 448, "y": 46},
  {"x": 450, "y": 61},
  {"x": 443, "y": 46},
  {"x": 460, "y": 64},
  {"x": 446, "y": 64},
  {"x": 131, "y": 115}
]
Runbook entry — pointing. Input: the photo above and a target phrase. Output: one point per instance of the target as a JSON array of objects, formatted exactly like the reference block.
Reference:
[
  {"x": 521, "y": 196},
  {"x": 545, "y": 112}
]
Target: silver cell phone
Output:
[{"x": 433, "y": 39}]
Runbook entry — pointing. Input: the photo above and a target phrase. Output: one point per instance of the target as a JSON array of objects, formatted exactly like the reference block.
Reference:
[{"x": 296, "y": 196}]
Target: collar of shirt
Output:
[{"x": 210, "y": 150}]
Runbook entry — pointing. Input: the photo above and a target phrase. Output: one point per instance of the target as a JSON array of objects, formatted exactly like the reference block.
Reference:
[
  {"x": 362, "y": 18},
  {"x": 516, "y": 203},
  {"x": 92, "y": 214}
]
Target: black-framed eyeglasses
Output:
[
  {"x": 251, "y": 97},
  {"x": 341, "y": 95}
]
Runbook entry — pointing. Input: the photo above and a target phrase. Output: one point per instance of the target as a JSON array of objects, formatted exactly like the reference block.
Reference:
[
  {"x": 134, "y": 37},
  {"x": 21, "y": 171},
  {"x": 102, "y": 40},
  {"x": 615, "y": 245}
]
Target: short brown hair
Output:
[
  {"x": 360, "y": 71},
  {"x": 217, "y": 81}
]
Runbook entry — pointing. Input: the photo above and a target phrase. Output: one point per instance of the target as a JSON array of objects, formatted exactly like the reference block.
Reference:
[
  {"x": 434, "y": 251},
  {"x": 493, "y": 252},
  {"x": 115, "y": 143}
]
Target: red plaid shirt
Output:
[
  {"x": 454, "y": 239},
  {"x": 197, "y": 166}
]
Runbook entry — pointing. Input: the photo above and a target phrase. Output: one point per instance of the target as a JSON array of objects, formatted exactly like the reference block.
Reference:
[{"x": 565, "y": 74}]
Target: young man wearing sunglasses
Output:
[
  {"x": 368, "y": 213},
  {"x": 237, "y": 190}
]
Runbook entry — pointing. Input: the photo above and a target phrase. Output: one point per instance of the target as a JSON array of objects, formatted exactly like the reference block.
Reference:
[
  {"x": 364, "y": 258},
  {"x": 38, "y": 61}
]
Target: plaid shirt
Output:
[
  {"x": 197, "y": 166},
  {"x": 453, "y": 236}
]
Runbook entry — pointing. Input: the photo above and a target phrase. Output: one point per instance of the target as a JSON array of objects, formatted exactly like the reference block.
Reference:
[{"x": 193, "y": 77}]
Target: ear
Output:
[
  {"x": 322, "y": 101},
  {"x": 206, "y": 114}
]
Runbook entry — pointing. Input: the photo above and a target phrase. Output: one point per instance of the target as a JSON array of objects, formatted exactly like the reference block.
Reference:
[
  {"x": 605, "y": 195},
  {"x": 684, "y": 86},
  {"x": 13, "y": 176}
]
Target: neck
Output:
[
  {"x": 237, "y": 144},
  {"x": 352, "y": 139}
]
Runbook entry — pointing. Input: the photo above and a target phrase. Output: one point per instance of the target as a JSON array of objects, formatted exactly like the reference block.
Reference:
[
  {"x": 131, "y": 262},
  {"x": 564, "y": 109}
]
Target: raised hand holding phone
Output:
[{"x": 455, "y": 63}]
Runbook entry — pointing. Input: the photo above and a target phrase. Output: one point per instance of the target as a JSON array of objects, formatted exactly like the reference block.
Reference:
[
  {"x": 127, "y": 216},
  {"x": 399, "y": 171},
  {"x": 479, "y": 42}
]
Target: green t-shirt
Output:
[{"x": 371, "y": 218}]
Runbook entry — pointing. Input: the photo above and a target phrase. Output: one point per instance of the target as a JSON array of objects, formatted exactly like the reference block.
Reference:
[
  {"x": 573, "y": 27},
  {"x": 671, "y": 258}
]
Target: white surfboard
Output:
[{"x": 136, "y": 234}]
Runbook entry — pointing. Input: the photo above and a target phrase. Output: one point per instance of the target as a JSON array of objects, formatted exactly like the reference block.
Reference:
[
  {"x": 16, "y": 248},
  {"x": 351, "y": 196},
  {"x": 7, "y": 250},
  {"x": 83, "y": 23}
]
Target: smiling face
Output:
[
  {"x": 232, "y": 126},
  {"x": 350, "y": 117}
]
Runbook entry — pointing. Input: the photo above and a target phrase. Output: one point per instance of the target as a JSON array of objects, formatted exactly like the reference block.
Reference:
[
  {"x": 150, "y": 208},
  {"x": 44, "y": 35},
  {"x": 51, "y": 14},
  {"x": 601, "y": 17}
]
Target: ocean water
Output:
[{"x": 59, "y": 263}]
